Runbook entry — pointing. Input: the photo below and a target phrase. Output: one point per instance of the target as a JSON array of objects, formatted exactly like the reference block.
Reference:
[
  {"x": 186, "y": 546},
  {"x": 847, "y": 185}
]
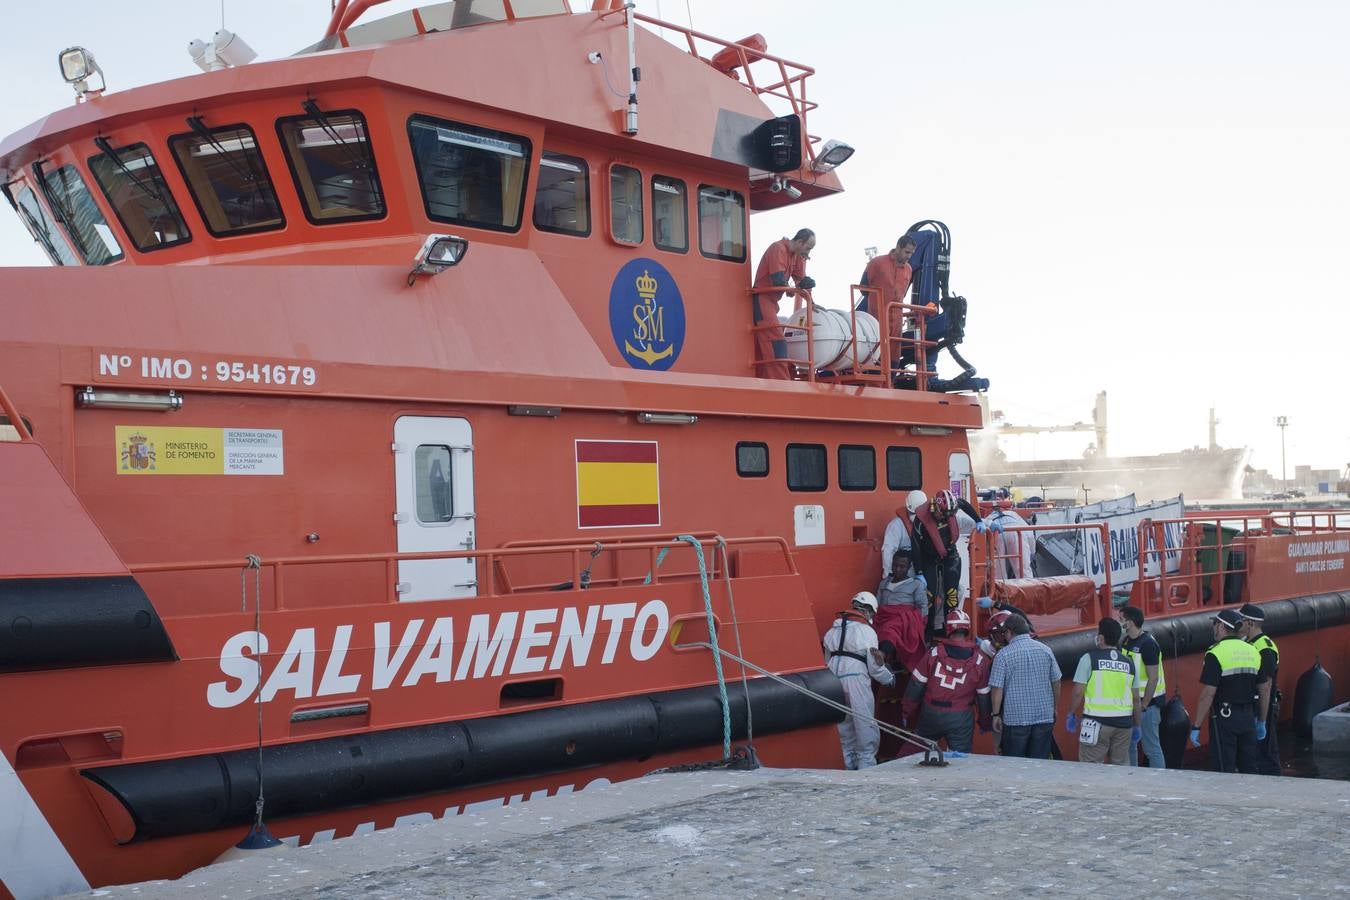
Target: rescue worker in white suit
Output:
[{"x": 851, "y": 653}]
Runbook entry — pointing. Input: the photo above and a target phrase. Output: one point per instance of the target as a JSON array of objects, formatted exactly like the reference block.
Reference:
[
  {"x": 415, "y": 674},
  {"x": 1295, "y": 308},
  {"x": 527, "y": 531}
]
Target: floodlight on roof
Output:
[
  {"x": 832, "y": 155},
  {"x": 77, "y": 67}
]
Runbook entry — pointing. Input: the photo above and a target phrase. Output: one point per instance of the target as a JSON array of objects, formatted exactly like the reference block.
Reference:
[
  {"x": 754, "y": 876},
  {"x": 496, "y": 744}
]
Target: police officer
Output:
[
  {"x": 1253, "y": 620},
  {"x": 1105, "y": 683},
  {"x": 1229, "y": 680}
]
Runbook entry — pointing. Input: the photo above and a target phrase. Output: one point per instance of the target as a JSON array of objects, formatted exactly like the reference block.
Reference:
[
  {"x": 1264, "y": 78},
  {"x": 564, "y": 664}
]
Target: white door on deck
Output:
[{"x": 433, "y": 476}]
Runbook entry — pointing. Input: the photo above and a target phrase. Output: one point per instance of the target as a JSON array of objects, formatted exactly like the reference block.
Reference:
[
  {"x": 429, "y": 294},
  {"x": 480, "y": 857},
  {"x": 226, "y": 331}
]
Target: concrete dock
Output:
[{"x": 983, "y": 825}]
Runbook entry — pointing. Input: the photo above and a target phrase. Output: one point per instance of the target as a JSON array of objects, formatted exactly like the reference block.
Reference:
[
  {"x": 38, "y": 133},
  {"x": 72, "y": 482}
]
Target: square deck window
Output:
[
  {"x": 904, "y": 468},
  {"x": 562, "y": 196},
  {"x": 721, "y": 223},
  {"x": 857, "y": 467},
  {"x": 752, "y": 459},
  {"x": 807, "y": 468},
  {"x": 625, "y": 204},
  {"x": 670, "y": 214}
]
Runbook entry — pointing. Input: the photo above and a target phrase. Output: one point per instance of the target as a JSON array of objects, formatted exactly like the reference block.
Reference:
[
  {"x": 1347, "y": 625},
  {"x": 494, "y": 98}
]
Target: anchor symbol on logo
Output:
[{"x": 649, "y": 322}]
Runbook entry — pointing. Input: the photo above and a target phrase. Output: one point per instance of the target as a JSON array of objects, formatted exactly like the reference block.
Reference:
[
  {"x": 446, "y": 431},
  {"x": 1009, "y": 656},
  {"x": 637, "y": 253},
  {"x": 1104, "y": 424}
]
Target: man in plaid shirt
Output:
[{"x": 1025, "y": 687}]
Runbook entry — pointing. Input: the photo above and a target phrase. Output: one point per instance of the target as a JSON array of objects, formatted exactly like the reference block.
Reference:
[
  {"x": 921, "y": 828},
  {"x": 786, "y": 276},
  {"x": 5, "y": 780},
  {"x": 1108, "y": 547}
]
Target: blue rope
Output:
[
  {"x": 712, "y": 639},
  {"x": 660, "y": 558}
]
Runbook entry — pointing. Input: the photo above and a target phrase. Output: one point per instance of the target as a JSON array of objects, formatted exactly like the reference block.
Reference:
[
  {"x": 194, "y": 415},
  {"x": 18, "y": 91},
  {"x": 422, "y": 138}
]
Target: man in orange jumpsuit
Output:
[
  {"x": 890, "y": 275},
  {"x": 784, "y": 260}
]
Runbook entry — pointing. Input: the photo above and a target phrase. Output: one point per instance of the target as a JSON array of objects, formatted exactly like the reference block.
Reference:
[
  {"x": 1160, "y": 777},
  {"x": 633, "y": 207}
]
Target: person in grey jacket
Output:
[{"x": 900, "y": 589}]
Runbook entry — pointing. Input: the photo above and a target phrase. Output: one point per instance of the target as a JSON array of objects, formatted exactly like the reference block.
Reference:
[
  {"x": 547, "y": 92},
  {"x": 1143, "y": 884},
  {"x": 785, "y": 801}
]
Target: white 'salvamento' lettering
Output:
[{"x": 493, "y": 644}]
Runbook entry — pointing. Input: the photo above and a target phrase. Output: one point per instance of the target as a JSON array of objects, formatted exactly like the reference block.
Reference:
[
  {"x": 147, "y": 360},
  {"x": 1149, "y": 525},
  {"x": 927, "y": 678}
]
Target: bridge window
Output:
[
  {"x": 670, "y": 217},
  {"x": 625, "y": 204},
  {"x": 228, "y": 180},
  {"x": 857, "y": 467},
  {"x": 332, "y": 165},
  {"x": 74, "y": 206},
  {"x": 131, "y": 180},
  {"x": 752, "y": 459},
  {"x": 562, "y": 196},
  {"x": 807, "y": 467},
  {"x": 469, "y": 175},
  {"x": 43, "y": 229},
  {"x": 721, "y": 223},
  {"x": 904, "y": 468}
]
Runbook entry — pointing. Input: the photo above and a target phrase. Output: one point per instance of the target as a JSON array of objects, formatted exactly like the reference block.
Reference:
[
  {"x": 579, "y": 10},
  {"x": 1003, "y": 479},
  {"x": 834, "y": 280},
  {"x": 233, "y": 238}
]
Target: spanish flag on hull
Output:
[{"x": 618, "y": 484}]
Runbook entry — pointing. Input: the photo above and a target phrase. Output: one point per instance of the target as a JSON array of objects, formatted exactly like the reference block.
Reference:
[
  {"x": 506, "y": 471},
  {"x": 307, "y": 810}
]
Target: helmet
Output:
[
  {"x": 998, "y": 623},
  {"x": 915, "y": 500},
  {"x": 945, "y": 501},
  {"x": 867, "y": 600},
  {"x": 957, "y": 620}
]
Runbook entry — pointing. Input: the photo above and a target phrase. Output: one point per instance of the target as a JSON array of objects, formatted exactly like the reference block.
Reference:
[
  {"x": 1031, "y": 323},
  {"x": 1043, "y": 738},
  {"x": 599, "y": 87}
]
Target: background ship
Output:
[{"x": 1200, "y": 473}]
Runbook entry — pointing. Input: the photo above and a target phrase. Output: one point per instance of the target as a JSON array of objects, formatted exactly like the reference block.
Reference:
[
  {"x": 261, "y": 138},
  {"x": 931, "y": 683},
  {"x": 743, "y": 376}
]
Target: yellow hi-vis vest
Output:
[
  {"x": 1263, "y": 642},
  {"x": 1160, "y": 689},
  {"x": 1110, "y": 687},
  {"x": 1236, "y": 657}
]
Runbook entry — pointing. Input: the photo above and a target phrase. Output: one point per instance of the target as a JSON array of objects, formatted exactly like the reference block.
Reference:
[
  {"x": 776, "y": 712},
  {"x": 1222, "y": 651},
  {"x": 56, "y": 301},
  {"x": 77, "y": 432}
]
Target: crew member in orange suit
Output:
[
  {"x": 890, "y": 274},
  {"x": 784, "y": 261}
]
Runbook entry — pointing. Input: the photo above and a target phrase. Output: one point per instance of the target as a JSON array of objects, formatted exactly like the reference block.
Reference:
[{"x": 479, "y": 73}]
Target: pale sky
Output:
[{"x": 1148, "y": 198}]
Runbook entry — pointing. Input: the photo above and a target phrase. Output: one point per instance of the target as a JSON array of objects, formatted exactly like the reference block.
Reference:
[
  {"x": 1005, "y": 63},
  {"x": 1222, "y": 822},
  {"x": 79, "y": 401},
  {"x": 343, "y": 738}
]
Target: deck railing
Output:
[{"x": 582, "y": 558}]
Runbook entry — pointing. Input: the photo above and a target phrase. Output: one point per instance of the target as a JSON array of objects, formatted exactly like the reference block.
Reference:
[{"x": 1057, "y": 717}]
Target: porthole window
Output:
[
  {"x": 807, "y": 469},
  {"x": 670, "y": 215},
  {"x": 857, "y": 467},
  {"x": 904, "y": 468},
  {"x": 752, "y": 459}
]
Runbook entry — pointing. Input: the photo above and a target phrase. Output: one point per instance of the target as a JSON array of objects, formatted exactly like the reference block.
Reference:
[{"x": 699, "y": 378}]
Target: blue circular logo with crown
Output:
[{"x": 646, "y": 315}]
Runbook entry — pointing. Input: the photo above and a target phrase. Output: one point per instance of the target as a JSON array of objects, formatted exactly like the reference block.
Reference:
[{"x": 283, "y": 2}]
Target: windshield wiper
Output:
[
  {"x": 63, "y": 213},
  {"x": 360, "y": 160},
  {"x": 36, "y": 226},
  {"x": 103, "y": 144}
]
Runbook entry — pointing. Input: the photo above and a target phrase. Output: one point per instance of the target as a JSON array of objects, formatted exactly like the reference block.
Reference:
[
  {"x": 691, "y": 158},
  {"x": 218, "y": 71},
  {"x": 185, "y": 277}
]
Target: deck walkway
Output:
[{"x": 984, "y": 825}]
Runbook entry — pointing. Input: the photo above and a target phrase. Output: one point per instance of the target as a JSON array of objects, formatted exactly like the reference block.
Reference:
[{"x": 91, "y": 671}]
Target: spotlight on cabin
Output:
[
  {"x": 77, "y": 67},
  {"x": 782, "y": 185},
  {"x": 439, "y": 252},
  {"x": 225, "y": 50},
  {"x": 832, "y": 155}
]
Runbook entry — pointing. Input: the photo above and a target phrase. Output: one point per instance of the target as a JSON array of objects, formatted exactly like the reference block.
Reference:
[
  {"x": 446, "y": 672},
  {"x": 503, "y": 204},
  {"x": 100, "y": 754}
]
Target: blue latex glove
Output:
[
  {"x": 980, "y": 527},
  {"x": 923, "y": 581},
  {"x": 1195, "y": 737},
  {"x": 996, "y": 527},
  {"x": 1071, "y": 724},
  {"x": 1260, "y": 731},
  {"x": 1136, "y": 734},
  {"x": 955, "y": 754},
  {"x": 985, "y": 603}
]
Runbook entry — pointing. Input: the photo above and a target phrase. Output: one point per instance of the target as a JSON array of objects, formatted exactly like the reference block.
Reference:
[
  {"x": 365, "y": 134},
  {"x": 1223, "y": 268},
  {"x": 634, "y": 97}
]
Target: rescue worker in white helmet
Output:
[
  {"x": 897, "y": 536},
  {"x": 935, "y": 534},
  {"x": 851, "y": 653},
  {"x": 952, "y": 682}
]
